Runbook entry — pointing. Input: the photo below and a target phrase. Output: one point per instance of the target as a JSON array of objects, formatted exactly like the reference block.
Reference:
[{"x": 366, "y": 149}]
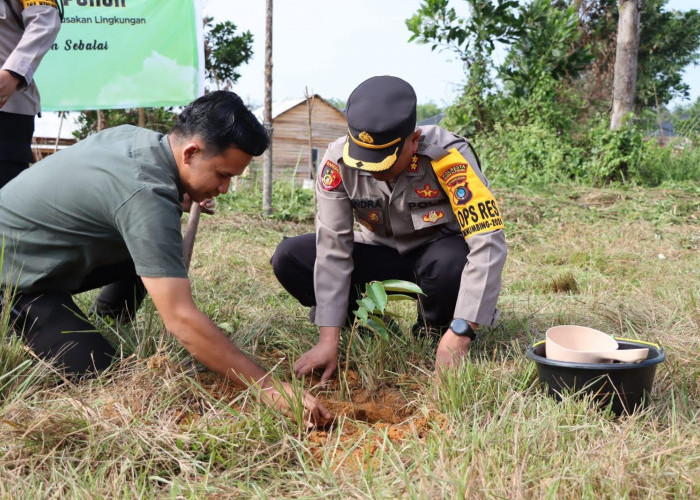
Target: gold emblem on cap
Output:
[{"x": 365, "y": 137}]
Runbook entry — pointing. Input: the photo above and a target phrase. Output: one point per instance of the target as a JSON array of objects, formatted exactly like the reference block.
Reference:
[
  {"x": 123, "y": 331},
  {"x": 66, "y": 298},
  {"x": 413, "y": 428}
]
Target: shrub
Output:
[
  {"x": 614, "y": 154},
  {"x": 678, "y": 162},
  {"x": 533, "y": 154}
]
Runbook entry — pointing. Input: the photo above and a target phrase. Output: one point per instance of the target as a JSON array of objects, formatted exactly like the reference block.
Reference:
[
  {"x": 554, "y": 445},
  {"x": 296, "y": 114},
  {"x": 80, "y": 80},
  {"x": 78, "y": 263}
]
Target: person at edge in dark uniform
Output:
[
  {"x": 119, "y": 228},
  {"x": 425, "y": 214},
  {"x": 28, "y": 28}
]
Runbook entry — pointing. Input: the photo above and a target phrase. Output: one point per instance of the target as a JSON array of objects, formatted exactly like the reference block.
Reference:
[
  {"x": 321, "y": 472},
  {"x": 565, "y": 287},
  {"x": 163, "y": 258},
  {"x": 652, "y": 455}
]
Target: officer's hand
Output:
[
  {"x": 206, "y": 205},
  {"x": 323, "y": 355},
  {"x": 314, "y": 412},
  {"x": 451, "y": 349},
  {"x": 8, "y": 85}
]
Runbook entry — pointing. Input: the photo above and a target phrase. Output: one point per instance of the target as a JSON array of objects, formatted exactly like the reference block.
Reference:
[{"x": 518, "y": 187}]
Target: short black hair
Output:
[{"x": 222, "y": 120}]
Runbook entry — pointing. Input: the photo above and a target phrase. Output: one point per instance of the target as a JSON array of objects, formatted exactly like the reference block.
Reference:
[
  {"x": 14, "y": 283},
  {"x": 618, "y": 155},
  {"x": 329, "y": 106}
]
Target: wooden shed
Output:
[
  {"x": 290, "y": 136},
  {"x": 52, "y": 133}
]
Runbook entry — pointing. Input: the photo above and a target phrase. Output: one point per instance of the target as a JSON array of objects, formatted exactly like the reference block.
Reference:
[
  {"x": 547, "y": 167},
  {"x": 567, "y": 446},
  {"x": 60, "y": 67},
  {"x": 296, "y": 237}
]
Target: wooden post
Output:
[
  {"x": 312, "y": 167},
  {"x": 100, "y": 120},
  {"x": 60, "y": 126},
  {"x": 190, "y": 234},
  {"x": 267, "y": 167}
]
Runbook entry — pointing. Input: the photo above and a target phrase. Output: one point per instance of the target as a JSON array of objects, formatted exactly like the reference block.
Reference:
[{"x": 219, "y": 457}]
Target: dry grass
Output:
[{"x": 624, "y": 261}]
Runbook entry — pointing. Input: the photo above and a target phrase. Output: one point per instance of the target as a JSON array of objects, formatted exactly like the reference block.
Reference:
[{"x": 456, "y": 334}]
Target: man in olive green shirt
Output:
[{"x": 106, "y": 213}]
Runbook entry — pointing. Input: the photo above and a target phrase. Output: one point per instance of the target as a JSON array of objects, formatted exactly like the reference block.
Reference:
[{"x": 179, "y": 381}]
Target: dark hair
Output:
[{"x": 222, "y": 120}]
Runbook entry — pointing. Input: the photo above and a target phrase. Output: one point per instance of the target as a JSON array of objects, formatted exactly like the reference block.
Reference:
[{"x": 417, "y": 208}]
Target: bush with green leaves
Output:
[
  {"x": 290, "y": 202},
  {"x": 674, "y": 164},
  {"x": 615, "y": 155},
  {"x": 532, "y": 153}
]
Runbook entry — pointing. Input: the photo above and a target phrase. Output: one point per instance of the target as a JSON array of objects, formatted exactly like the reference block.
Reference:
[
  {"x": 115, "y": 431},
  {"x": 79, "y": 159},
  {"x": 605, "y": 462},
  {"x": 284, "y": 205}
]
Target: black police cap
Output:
[{"x": 381, "y": 114}]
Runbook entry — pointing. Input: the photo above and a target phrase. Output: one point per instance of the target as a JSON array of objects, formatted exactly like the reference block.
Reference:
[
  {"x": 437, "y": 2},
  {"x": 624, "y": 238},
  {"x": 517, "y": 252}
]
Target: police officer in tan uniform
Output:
[
  {"x": 28, "y": 28},
  {"x": 424, "y": 213}
]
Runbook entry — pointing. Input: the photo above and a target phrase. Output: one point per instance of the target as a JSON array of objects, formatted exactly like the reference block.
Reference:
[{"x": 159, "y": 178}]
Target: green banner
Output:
[{"x": 124, "y": 54}]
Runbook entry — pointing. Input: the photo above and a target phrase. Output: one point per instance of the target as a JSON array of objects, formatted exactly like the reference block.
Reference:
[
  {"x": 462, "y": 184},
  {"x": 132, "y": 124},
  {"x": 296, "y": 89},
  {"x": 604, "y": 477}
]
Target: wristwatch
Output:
[{"x": 462, "y": 328}]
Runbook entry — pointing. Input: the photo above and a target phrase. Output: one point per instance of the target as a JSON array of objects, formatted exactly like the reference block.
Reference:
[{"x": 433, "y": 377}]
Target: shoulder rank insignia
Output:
[
  {"x": 427, "y": 192},
  {"x": 413, "y": 167},
  {"x": 330, "y": 176}
]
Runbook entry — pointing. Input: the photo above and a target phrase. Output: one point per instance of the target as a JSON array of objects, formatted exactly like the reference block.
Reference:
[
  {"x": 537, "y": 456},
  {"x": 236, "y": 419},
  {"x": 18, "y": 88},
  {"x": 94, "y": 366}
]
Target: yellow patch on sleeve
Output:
[
  {"x": 44, "y": 3},
  {"x": 472, "y": 202}
]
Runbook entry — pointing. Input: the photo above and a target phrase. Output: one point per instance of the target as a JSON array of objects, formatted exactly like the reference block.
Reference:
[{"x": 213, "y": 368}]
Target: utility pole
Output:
[
  {"x": 625, "y": 77},
  {"x": 267, "y": 166}
]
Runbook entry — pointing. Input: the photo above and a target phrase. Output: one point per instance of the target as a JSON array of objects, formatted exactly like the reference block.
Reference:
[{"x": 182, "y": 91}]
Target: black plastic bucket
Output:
[{"x": 624, "y": 386}]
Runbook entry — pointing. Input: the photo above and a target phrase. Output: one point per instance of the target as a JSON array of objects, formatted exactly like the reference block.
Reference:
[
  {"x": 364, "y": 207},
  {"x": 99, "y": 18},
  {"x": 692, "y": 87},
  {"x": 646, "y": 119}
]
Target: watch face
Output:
[
  {"x": 459, "y": 326},
  {"x": 462, "y": 328}
]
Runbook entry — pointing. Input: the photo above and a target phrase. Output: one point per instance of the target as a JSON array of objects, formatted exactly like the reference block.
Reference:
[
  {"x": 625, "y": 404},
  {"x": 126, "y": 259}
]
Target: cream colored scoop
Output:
[{"x": 580, "y": 344}]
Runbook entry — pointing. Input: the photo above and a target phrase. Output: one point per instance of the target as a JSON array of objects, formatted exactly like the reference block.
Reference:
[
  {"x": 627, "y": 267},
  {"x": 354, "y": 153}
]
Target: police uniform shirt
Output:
[
  {"x": 111, "y": 197},
  {"x": 414, "y": 212},
  {"x": 21, "y": 49}
]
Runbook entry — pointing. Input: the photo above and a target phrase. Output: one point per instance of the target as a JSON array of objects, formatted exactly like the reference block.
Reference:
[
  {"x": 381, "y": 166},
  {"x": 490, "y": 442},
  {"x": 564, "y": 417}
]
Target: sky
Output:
[{"x": 331, "y": 46}]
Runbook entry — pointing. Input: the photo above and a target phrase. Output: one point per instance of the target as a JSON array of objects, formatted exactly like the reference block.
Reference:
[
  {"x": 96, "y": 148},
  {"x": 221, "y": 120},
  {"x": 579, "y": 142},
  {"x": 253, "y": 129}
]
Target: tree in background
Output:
[
  {"x": 474, "y": 40},
  {"x": 559, "y": 51},
  {"x": 541, "y": 65},
  {"x": 427, "y": 110},
  {"x": 547, "y": 46},
  {"x": 668, "y": 43},
  {"x": 544, "y": 114},
  {"x": 158, "y": 119},
  {"x": 224, "y": 52},
  {"x": 625, "y": 76}
]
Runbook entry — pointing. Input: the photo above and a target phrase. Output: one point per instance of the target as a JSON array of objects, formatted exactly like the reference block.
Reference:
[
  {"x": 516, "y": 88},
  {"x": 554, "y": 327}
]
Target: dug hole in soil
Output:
[{"x": 362, "y": 420}]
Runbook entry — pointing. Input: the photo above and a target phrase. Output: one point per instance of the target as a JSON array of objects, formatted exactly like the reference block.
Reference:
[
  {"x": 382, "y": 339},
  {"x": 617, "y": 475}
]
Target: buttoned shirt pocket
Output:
[
  {"x": 435, "y": 215},
  {"x": 370, "y": 213}
]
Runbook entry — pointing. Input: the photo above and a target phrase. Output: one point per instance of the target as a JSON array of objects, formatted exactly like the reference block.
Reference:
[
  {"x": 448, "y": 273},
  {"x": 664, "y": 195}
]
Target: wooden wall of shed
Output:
[{"x": 290, "y": 138}]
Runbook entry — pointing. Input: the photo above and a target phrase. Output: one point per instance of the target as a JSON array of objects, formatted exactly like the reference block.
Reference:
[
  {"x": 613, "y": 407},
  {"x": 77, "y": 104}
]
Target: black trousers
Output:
[
  {"x": 15, "y": 144},
  {"x": 56, "y": 329},
  {"x": 436, "y": 268}
]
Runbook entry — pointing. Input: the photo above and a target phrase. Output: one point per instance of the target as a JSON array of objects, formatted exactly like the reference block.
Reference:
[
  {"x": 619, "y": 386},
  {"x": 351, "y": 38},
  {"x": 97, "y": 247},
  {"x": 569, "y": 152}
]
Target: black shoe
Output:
[{"x": 422, "y": 331}]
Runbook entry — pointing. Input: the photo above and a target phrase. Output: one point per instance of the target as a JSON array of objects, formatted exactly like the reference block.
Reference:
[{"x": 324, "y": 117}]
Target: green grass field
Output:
[{"x": 625, "y": 261}]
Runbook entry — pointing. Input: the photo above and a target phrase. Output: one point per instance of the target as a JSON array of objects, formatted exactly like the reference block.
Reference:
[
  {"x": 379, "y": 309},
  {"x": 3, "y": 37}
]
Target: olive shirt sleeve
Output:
[
  {"x": 41, "y": 25},
  {"x": 149, "y": 222},
  {"x": 334, "y": 245},
  {"x": 480, "y": 283}
]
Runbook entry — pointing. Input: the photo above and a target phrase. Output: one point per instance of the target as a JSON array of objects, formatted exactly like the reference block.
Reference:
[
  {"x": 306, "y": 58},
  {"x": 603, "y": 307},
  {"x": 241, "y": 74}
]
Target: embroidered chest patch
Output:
[
  {"x": 433, "y": 216},
  {"x": 427, "y": 192},
  {"x": 330, "y": 176}
]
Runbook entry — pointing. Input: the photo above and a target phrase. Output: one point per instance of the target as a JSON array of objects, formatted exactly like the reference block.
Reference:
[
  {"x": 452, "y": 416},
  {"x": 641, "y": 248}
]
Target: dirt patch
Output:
[
  {"x": 365, "y": 421},
  {"x": 351, "y": 444},
  {"x": 597, "y": 199}
]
